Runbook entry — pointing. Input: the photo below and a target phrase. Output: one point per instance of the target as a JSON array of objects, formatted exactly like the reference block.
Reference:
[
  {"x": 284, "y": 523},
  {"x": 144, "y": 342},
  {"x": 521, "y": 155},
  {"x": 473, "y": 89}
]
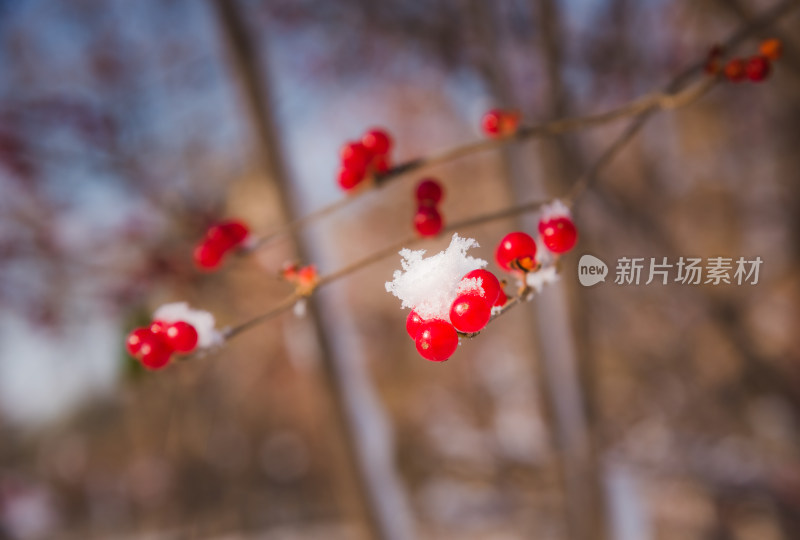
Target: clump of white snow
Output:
[
  {"x": 537, "y": 280},
  {"x": 429, "y": 285},
  {"x": 203, "y": 321},
  {"x": 554, "y": 209}
]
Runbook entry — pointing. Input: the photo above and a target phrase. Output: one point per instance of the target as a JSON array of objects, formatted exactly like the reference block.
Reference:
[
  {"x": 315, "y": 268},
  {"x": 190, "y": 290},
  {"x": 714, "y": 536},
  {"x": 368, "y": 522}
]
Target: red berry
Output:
[
  {"x": 227, "y": 234},
  {"x": 515, "y": 246},
  {"x": 413, "y": 324},
  {"x": 135, "y": 339},
  {"x": 735, "y": 70},
  {"x": 558, "y": 234},
  {"x": 350, "y": 177},
  {"x": 757, "y": 68},
  {"x": 381, "y": 164},
  {"x": 470, "y": 312},
  {"x": 158, "y": 328},
  {"x": 427, "y": 221},
  {"x": 207, "y": 255},
  {"x": 498, "y": 123},
  {"x": 355, "y": 156},
  {"x": 181, "y": 336},
  {"x": 489, "y": 283},
  {"x": 436, "y": 340},
  {"x": 377, "y": 142},
  {"x": 713, "y": 60},
  {"x": 429, "y": 192},
  {"x": 154, "y": 352},
  {"x": 501, "y": 299},
  {"x": 771, "y": 48},
  {"x": 491, "y": 122}
]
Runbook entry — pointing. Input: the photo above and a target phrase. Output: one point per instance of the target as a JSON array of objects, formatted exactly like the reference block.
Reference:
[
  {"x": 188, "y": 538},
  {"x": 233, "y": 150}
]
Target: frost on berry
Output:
[
  {"x": 429, "y": 285},
  {"x": 202, "y": 321}
]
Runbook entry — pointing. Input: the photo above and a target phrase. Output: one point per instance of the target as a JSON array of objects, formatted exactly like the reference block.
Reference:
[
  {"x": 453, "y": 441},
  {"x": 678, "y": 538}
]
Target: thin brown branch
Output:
[
  {"x": 379, "y": 255},
  {"x": 641, "y": 109}
]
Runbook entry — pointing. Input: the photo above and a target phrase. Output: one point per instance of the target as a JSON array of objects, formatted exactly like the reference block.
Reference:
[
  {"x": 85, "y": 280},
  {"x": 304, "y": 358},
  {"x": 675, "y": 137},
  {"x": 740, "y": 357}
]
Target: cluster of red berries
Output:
[
  {"x": 218, "y": 241},
  {"x": 361, "y": 158},
  {"x": 428, "y": 220},
  {"x": 154, "y": 345},
  {"x": 500, "y": 123},
  {"x": 756, "y": 68},
  {"x": 517, "y": 250},
  {"x": 437, "y": 339}
]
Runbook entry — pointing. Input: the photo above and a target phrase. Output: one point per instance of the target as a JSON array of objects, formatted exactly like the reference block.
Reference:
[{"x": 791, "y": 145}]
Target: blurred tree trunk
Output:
[
  {"x": 357, "y": 409},
  {"x": 558, "y": 357}
]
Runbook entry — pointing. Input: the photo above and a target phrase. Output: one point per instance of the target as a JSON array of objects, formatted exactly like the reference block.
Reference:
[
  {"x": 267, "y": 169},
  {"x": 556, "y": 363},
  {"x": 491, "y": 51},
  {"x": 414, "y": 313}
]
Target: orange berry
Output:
[
  {"x": 735, "y": 70},
  {"x": 771, "y": 48}
]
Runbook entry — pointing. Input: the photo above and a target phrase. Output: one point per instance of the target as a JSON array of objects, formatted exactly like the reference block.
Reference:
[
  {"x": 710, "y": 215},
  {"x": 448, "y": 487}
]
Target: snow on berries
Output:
[
  {"x": 365, "y": 157},
  {"x": 500, "y": 123},
  {"x": 175, "y": 329},
  {"x": 427, "y": 220},
  {"x": 556, "y": 229},
  {"x": 429, "y": 285},
  {"x": 202, "y": 321},
  {"x": 447, "y": 293},
  {"x": 218, "y": 241}
]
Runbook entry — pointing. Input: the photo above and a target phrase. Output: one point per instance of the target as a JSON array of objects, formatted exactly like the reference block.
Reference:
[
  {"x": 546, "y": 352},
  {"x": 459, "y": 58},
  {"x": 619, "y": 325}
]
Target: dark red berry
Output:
[
  {"x": 154, "y": 353},
  {"x": 489, "y": 283},
  {"x": 501, "y": 299},
  {"x": 757, "y": 68},
  {"x": 735, "y": 70},
  {"x": 181, "y": 336},
  {"x": 381, "y": 164},
  {"x": 429, "y": 192},
  {"x": 559, "y": 234},
  {"x": 413, "y": 324},
  {"x": 470, "y": 312},
  {"x": 135, "y": 339},
  {"x": 207, "y": 255},
  {"x": 377, "y": 142},
  {"x": 436, "y": 340},
  {"x": 515, "y": 246},
  {"x": 227, "y": 234},
  {"x": 350, "y": 177},
  {"x": 713, "y": 60},
  {"x": 355, "y": 156},
  {"x": 427, "y": 221}
]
